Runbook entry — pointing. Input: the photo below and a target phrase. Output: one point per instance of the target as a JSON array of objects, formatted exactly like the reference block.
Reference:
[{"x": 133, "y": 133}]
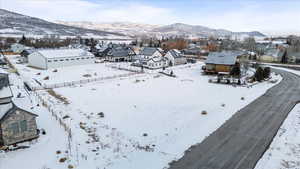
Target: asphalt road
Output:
[{"x": 242, "y": 140}]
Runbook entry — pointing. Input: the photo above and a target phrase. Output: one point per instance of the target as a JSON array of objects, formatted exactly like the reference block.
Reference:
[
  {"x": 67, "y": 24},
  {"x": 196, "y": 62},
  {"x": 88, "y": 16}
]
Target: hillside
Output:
[
  {"x": 177, "y": 29},
  {"x": 14, "y": 24}
]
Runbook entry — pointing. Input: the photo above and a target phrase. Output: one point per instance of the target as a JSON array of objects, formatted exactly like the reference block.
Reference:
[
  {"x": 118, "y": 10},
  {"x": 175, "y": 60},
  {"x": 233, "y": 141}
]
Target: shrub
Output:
[
  {"x": 267, "y": 72},
  {"x": 204, "y": 112},
  {"x": 62, "y": 160},
  {"x": 259, "y": 74},
  {"x": 235, "y": 71}
]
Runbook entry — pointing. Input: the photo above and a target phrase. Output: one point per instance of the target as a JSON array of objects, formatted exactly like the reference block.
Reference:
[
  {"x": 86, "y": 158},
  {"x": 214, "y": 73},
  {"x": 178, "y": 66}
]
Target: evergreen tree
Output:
[
  {"x": 259, "y": 74},
  {"x": 267, "y": 72},
  {"x": 23, "y": 40}
]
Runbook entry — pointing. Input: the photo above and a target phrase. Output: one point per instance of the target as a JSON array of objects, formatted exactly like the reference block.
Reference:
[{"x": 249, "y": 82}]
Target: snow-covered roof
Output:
[
  {"x": 120, "y": 52},
  {"x": 147, "y": 51},
  {"x": 4, "y": 86},
  {"x": 60, "y": 53},
  {"x": 222, "y": 58},
  {"x": 4, "y": 108},
  {"x": 7, "y": 109},
  {"x": 175, "y": 53},
  {"x": 276, "y": 53}
]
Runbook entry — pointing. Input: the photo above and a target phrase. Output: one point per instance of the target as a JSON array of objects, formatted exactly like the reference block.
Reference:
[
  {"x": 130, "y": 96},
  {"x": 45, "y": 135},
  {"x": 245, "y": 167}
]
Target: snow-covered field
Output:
[
  {"x": 146, "y": 121},
  {"x": 38, "y": 77},
  {"x": 42, "y": 152},
  {"x": 142, "y": 121}
]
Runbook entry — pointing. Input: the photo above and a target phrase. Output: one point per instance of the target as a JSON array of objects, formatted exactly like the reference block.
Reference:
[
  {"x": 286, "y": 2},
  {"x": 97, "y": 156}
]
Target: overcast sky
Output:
[{"x": 267, "y": 16}]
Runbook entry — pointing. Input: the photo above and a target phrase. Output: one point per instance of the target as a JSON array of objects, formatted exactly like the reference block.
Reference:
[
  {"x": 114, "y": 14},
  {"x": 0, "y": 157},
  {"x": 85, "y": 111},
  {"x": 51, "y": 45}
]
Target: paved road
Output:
[{"x": 242, "y": 140}]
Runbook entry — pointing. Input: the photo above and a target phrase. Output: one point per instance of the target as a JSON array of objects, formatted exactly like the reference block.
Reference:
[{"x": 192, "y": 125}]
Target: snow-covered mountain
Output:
[
  {"x": 127, "y": 28},
  {"x": 177, "y": 29},
  {"x": 14, "y": 24}
]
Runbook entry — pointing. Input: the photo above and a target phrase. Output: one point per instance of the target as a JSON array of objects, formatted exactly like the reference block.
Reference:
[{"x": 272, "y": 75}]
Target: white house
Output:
[
  {"x": 151, "y": 58},
  {"x": 175, "y": 58},
  {"x": 54, "y": 58},
  {"x": 17, "y": 48}
]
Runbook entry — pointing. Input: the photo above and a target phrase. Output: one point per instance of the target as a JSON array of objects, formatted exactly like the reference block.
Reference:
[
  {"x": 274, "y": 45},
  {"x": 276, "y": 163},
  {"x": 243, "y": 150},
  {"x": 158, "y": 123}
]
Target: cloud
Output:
[
  {"x": 80, "y": 10},
  {"x": 270, "y": 16}
]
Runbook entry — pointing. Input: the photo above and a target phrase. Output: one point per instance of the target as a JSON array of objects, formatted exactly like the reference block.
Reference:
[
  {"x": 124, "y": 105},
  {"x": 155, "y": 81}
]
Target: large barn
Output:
[{"x": 54, "y": 58}]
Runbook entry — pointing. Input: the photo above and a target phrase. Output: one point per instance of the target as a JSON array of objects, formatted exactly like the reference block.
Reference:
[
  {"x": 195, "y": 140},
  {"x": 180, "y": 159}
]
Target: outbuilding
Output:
[
  {"x": 16, "y": 125},
  {"x": 54, "y": 58}
]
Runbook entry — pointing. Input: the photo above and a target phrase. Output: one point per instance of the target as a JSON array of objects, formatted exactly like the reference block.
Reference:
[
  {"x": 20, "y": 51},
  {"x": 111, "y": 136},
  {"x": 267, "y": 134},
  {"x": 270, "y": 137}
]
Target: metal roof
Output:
[
  {"x": 147, "y": 51},
  {"x": 120, "y": 52},
  {"x": 222, "y": 58},
  {"x": 62, "y": 53},
  {"x": 176, "y": 53}
]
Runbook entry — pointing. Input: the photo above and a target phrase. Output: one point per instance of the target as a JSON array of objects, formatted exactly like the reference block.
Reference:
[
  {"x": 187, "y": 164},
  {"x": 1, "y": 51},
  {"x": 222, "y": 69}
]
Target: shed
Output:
[
  {"x": 16, "y": 125},
  {"x": 54, "y": 58}
]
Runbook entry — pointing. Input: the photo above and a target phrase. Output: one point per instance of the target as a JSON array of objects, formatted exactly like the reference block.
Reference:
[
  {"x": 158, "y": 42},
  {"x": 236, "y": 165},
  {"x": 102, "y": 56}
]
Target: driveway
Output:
[{"x": 242, "y": 140}]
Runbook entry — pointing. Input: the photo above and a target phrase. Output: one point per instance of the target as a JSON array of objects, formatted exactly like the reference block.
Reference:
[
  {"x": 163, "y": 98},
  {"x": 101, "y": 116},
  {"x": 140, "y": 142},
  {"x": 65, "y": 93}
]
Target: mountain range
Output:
[
  {"x": 177, "y": 29},
  {"x": 14, "y": 24}
]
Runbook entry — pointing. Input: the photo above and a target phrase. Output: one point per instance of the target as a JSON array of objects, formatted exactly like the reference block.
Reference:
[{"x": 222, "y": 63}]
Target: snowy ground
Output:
[
  {"x": 284, "y": 152},
  {"x": 149, "y": 120},
  {"x": 42, "y": 153},
  {"x": 66, "y": 74},
  {"x": 142, "y": 121}
]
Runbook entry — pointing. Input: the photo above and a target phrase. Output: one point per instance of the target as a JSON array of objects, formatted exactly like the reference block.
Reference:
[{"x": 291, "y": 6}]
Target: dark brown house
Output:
[
  {"x": 221, "y": 61},
  {"x": 16, "y": 125}
]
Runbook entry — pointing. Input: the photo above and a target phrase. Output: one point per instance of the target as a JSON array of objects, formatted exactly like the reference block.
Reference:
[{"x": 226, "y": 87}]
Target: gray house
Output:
[
  {"x": 120, "y": 54},
  {"x": 16, "y": 125},
  {"x": 175, "y": 57}
]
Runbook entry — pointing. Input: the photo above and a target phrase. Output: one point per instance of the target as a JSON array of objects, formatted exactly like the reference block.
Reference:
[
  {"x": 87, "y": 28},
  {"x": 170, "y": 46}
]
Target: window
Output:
[
  {"x": 15, "y": 128},
  {"x": 49, "y": 61},
  {"x": 55, "y": 60},
  {"x": 72, "y": 59},
  {"x": 61, "y": 60},
  {"x": 67, "y": 59},
  {"x": 88, "y": 58},
  {"x": 23, "y": 125},
  {"x": 77, "y": 58}
]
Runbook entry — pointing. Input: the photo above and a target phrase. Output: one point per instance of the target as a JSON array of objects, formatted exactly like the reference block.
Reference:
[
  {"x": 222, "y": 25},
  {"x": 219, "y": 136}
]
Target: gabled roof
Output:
[
  {"x": 62, "y": 53},
  {"x": 147, "y": 51},
  {"x": 222, "y": 58},
  {"x": 8, "y": 109},
  {"x": 120, "y": 52},
  {"x": 5, "y": 91},
  {"x": 175, "y": 53}
]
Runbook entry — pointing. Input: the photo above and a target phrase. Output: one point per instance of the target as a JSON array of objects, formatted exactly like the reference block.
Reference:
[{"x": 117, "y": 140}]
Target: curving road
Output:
[{"x": 242, "y": 140}]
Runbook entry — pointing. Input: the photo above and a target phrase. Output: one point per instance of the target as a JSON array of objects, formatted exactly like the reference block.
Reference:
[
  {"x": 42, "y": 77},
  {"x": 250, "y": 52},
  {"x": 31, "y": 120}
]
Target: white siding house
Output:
[
  {"x": 151, "y": 58},
  {"x": 17, "y": 48},
  {"x": 175, "y": 58},
  {"x": 54, "y": 58}
]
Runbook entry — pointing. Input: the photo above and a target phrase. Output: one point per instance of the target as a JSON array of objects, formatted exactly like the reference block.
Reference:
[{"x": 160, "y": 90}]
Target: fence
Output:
[
  {"x": 54, "y": 113},
  {"x": 72, "y": 83}
]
